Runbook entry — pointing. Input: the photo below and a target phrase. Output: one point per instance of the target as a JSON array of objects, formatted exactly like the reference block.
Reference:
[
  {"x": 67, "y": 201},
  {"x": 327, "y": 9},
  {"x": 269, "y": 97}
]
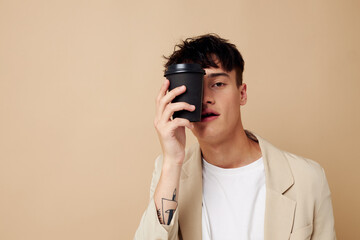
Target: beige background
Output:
[{"x": 78, "y": 80}]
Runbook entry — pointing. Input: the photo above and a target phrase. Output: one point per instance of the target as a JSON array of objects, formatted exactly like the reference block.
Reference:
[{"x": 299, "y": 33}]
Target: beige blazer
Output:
[{"x": 298, "y": 202}]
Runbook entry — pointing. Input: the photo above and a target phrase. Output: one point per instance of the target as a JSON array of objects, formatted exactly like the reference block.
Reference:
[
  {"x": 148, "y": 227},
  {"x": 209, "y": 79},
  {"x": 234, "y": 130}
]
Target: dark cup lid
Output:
[{"x": 184, "y": 67}]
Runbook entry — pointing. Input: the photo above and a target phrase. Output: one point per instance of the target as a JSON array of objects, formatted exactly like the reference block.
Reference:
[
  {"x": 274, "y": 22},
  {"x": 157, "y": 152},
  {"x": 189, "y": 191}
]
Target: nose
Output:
[{"x": 207, "y": 96}]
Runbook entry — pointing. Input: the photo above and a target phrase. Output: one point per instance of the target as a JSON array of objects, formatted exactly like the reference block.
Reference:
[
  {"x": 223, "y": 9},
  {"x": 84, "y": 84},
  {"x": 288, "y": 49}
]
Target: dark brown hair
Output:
[{"x": 206, "y": 50}]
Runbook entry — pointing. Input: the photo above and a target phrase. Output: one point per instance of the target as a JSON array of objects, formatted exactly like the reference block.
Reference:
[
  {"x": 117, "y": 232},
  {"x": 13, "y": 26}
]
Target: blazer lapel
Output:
[
  {"x": 190, "y": 196},
  {"x": 279, "y": 209}
]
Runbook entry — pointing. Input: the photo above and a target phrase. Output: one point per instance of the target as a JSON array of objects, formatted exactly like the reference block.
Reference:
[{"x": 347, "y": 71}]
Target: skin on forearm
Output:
[{"x": 166, "y": 194}]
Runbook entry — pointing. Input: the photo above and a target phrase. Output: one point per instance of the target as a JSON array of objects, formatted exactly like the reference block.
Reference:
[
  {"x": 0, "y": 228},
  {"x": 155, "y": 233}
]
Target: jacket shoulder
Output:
[
  {"x": 303, "y": 167},
  {"x": 309, "y": 178}
]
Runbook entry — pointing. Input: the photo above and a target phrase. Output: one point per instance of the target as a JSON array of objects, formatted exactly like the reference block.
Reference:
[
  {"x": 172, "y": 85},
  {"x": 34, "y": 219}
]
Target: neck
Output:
[{"x": 237, "y": 151}]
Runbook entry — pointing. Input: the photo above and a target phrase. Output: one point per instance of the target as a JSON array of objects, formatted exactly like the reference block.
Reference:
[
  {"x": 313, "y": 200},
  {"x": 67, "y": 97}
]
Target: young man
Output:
[{"x": 233, "y": 184}]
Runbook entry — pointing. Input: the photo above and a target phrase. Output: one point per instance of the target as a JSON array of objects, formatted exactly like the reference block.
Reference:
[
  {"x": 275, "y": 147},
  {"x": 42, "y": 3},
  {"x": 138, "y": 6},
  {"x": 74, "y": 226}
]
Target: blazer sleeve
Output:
[
  {"x": 150, "y": 227},
  {"x": 323, "y": 224}
]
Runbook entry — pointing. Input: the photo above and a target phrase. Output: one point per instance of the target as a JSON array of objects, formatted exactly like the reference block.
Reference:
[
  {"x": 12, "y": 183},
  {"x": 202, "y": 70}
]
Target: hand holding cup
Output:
[{"x": 171, "y": 132}]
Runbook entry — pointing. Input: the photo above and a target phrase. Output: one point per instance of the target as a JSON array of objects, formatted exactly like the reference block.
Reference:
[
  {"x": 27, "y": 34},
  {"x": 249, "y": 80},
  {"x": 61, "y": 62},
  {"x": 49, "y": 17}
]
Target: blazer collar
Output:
[
  {"x": 277, "y": 169},
  {"x": 279, "y": 210}
]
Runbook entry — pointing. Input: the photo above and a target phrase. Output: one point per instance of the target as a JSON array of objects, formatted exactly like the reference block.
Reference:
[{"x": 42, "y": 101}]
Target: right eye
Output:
[{"x": 219, "y": 84}]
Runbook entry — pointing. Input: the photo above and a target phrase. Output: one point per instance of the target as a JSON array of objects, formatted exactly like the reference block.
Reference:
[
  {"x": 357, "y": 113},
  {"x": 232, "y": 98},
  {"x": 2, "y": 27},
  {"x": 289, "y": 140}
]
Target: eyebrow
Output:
[{"x": 213, "y": 75}]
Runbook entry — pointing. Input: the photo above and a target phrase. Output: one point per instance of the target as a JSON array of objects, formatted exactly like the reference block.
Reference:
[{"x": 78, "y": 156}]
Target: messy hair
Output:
[{"x": 206, "y": 50}]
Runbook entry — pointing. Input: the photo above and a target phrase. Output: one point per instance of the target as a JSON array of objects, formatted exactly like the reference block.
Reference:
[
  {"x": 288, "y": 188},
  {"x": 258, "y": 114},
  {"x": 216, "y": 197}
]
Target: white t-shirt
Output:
[{"x": 233, "y": 202}]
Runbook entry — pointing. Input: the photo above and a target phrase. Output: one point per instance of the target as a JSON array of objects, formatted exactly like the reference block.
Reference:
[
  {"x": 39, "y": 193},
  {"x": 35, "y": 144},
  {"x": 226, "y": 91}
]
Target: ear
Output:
[{"x": 242, "y": 94}]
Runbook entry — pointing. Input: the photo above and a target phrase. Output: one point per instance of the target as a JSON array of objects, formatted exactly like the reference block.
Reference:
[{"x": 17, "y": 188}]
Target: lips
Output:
[{"x": 208, "y": 115}]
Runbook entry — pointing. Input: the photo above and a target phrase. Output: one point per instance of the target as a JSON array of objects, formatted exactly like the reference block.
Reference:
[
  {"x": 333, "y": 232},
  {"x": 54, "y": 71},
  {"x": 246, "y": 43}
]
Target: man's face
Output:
[{"x": 221, "y": 106}]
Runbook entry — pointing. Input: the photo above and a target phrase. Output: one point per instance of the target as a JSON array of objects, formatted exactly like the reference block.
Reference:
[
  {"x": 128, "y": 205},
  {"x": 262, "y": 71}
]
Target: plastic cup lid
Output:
[{"x": 184, "y": 67}]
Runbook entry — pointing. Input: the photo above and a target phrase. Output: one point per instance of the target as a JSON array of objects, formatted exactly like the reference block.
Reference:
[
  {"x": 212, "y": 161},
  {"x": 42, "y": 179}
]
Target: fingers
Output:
[
  {"x": 165, "y": 108},
  {"x": 180, "y": 122},
  {"x": 174, "y": 107},
  {"x": 168, "y": 128},
  {"x": 172, "y": 94},
  {"x": 162, "y": 93},
  {"x": 164, "y": 98},
  {"x": 164, "y": 88}
]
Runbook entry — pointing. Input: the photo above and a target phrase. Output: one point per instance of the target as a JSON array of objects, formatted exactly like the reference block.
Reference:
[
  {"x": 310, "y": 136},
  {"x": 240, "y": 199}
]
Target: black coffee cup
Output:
[{"x": 191, "y": 75}]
